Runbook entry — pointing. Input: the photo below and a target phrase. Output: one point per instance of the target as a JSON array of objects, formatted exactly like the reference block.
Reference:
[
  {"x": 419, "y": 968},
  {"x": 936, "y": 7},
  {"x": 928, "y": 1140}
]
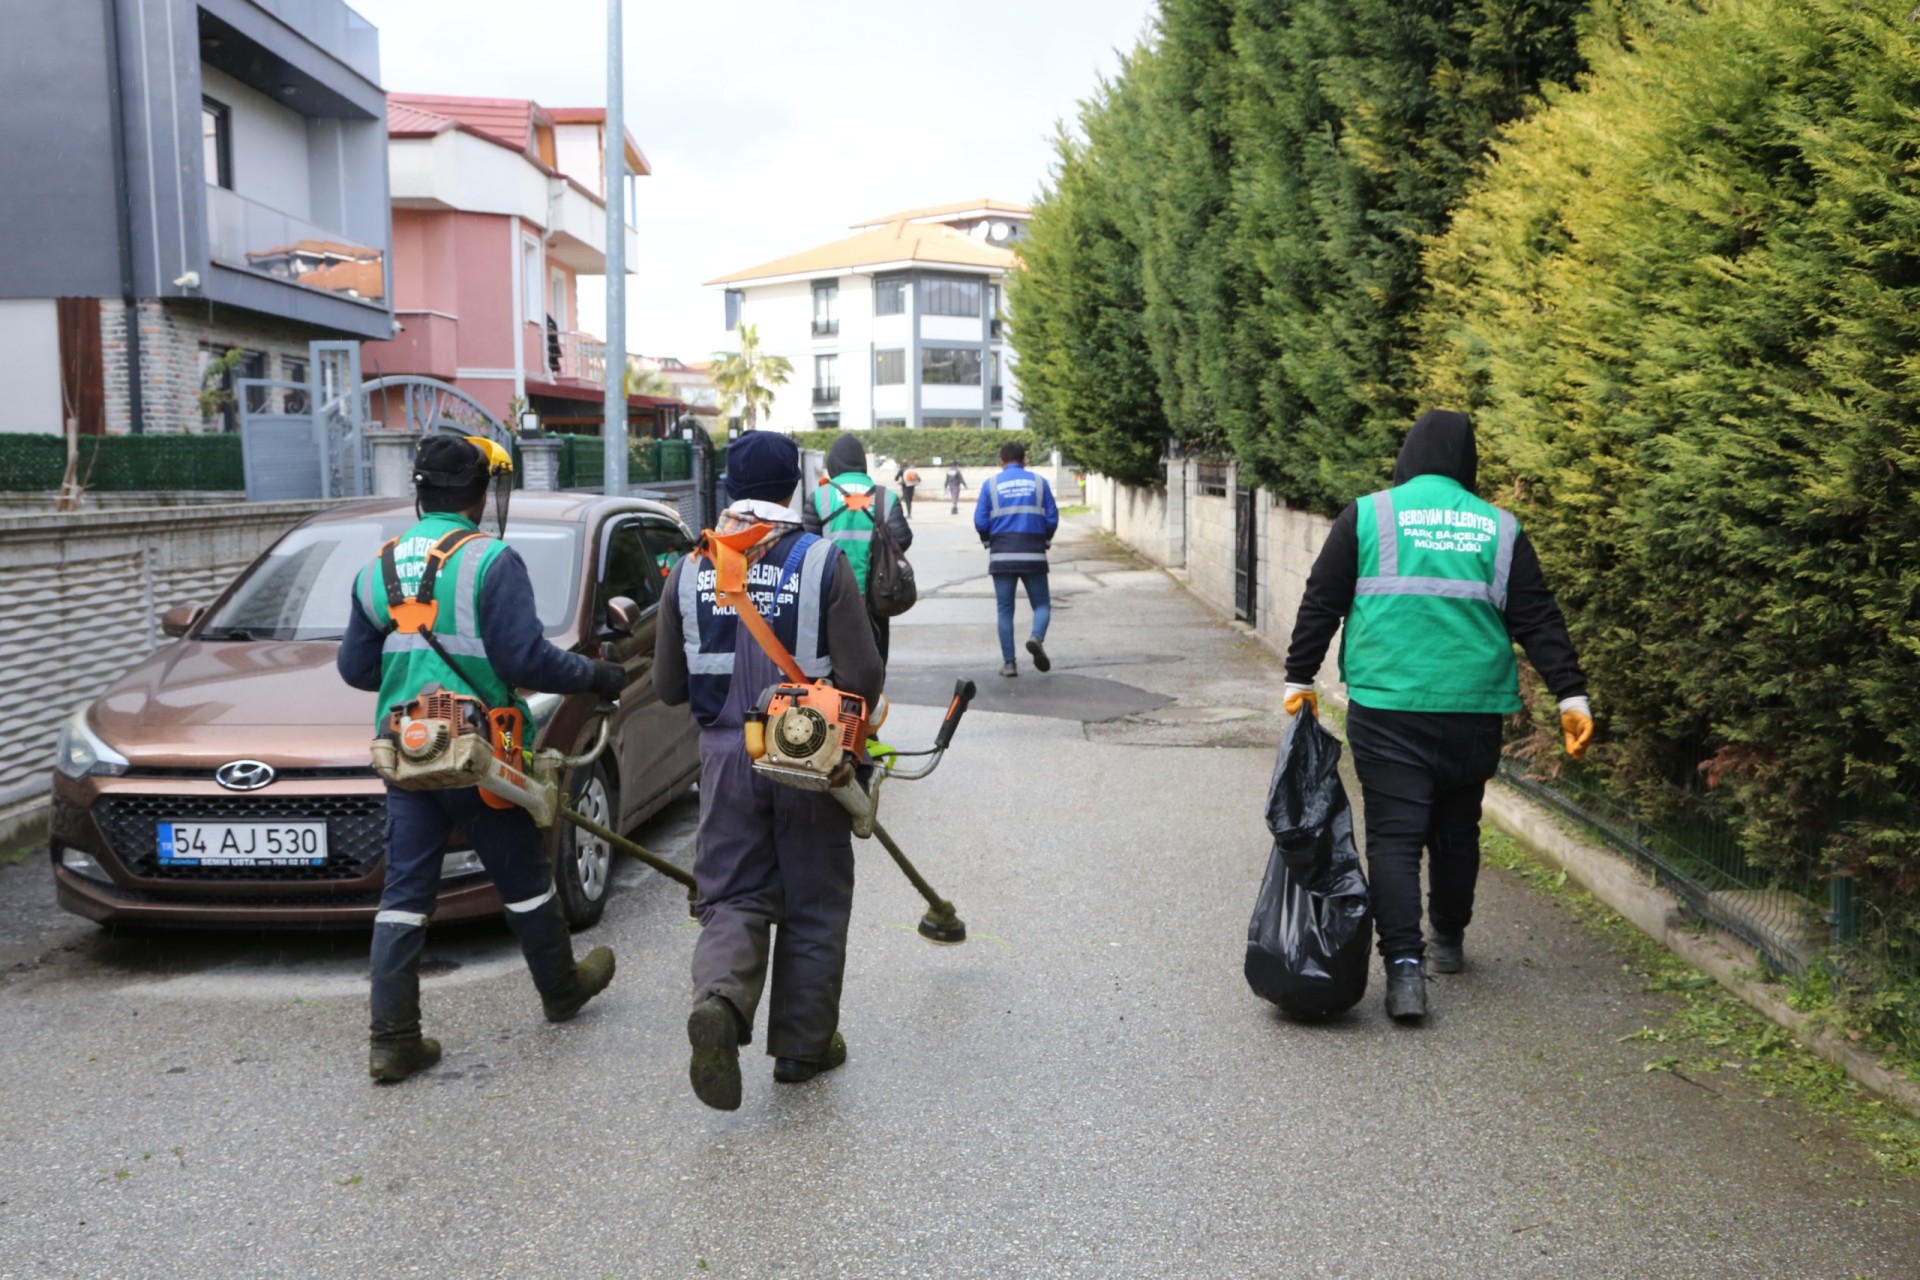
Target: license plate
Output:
[{"x": 243, "y": 844}]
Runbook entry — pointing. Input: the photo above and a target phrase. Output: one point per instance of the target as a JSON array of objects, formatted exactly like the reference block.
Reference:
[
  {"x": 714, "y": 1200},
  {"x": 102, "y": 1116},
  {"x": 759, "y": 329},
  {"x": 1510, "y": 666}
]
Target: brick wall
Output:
[{"x": 174, "y": 341}]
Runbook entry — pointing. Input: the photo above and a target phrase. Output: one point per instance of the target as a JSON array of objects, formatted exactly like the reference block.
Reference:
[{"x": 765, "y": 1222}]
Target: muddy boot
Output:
[
  {"x": 396, "y": 1047},
  {"x": 564, "y": 986},
  {"x": 801, "y": 1070},
  {"x": 713, "y": 1029}
]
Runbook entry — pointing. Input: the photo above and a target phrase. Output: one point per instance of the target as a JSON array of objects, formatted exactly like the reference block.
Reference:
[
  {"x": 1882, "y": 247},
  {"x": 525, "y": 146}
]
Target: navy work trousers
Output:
[
  {"x": 772, "y": 859},
  {"x": 418, "y": 823},
  {"x": 1422, "y": 777}
]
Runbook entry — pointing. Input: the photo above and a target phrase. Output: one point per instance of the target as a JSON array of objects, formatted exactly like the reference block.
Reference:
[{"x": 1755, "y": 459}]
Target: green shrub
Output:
[
  {"x": 124, "y": 464},
  {"x": 969, "y": 446}
]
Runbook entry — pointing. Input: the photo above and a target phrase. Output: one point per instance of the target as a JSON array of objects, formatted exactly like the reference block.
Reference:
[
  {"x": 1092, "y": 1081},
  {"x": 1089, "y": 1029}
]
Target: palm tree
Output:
[
  {"x": 644, "y": 380},
  {"x": 747, "y": 377}
]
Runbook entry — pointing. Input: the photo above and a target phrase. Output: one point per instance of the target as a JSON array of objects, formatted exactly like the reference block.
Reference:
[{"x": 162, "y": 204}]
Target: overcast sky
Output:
[{"x": 772, "y": 125}]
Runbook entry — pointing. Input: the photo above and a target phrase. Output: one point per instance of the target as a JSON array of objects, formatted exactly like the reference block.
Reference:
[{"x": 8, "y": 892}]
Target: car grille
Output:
[{"x": 356, "y": 832}]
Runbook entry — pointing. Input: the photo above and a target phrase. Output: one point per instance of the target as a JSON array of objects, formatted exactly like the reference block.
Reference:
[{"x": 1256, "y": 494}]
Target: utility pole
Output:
[{"x": 614, "y": 433}]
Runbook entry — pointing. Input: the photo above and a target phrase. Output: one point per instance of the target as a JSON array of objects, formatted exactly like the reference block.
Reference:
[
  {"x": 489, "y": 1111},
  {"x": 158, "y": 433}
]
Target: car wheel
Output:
[{"x": 583, "y": 868}]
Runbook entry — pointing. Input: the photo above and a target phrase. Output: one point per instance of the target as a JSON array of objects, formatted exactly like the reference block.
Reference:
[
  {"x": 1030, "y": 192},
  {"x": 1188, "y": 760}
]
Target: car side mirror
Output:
[
  {"x": 179, "y": 619},
  {"x": 623, "y": 615}
]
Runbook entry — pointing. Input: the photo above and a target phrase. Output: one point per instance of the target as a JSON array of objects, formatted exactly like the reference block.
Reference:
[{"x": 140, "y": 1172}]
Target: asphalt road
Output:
[{"x": 1086, "y": 1088}]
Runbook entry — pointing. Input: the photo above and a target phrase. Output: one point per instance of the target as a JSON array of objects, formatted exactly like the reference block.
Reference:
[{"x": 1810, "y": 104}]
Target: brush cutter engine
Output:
[
  {"x": 443, "y": 741},
  {"x": 807, "y": 735}
]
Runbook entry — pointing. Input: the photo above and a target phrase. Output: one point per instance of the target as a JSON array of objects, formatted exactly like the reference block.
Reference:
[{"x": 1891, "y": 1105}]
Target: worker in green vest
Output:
[
  {"x": 1434, "y": 587},
  {"x": 445, "y": 604},
  {"x": 845, "y": 508}
]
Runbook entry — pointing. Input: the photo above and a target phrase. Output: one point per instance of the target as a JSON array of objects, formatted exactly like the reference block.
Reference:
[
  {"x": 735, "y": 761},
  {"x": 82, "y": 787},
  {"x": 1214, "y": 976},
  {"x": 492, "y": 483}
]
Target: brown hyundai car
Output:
[{"x": 225, "y": 780}]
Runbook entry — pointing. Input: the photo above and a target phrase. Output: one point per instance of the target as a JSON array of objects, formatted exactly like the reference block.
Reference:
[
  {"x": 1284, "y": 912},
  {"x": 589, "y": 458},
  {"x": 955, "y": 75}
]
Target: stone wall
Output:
[
  {"x": 80, "y": 603},
  {"x": 178, "y": 339}
]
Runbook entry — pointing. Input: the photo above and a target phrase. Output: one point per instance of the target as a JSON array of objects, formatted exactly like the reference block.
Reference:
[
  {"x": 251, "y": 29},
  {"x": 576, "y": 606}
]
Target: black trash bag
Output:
[{"x": 1309, "y": 942}]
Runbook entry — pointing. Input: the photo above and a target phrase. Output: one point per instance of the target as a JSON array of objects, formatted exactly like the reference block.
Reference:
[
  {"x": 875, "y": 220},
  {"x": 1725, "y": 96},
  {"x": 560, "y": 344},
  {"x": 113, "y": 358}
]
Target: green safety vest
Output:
[
  {"x": 407, "y": 663},
  {"x": 850, "y": 530},
  {"x": 1428, "y": 629}
]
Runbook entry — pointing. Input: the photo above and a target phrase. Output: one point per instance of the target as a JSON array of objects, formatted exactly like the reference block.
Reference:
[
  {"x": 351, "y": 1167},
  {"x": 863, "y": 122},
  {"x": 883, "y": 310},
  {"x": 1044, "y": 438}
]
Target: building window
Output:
[
  {"x": 890, "y": 367},
  {"x": 734, "y": 297},
  {"x": 826, "y": 379},
  {"x": 220, "y": 375},
  {"x": 950, "y": 366},
  {"x": 529, "y": 279},
  {"x": 294, "y": 369},
  {"x": 826, "y": 297},
  {"x": 889, "y": 422},
  {"x": 1211, "y": 479},
  {"x": 216, "y": 142},
  {"x": 890, "y": 296},
  {"x": 950, "y": 421},
  {"x": 950, "y": 297},
  {"x": 557, "y": 298}
]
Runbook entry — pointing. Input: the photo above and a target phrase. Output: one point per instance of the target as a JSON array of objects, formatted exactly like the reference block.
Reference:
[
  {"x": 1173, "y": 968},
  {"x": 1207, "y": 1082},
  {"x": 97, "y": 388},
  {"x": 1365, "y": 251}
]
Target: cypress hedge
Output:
[{"x": 1684, "y": 306}]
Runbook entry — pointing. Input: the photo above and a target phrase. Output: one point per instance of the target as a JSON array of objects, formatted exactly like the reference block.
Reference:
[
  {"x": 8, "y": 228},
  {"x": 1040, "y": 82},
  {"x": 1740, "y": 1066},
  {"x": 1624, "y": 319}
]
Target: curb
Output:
[{"x": 1623, "y": 888}]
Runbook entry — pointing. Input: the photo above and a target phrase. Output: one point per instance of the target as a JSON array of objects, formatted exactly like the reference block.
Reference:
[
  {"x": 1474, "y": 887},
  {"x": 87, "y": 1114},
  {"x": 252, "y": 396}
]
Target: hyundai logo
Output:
[{"x": 243, "y": 775}]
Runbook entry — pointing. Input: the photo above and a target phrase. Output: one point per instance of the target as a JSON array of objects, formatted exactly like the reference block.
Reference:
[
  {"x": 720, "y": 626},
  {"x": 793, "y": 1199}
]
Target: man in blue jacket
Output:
[
  {"x": 484, "y": 639},
  {"x": 1016, "y": 518}
]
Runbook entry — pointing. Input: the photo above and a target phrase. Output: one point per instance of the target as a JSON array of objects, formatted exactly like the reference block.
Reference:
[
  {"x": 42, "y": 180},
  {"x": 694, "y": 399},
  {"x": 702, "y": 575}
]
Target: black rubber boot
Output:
[
  {"x": 1446, "y": 954},
  {"x": 1406, "y": 991},
  {"x": 396, "y": 1049},
  {"x": 801, "y": 1070},
  {"x": 713, "y": 1029},
  {"x": 565, "y": 987}
]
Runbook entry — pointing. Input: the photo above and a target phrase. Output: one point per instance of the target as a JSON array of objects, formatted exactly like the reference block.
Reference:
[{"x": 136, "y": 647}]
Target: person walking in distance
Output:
[
  {"x": 1434, "y": 587},
  {"x": 483, "y": 639},
  {"x": 773, "y": 864},
  {"x": 845, "y": 509},
  {"x": 955, "y": 485},
  {"x": 907, "y": 479},
  {"x": 1016, "y": 518}
]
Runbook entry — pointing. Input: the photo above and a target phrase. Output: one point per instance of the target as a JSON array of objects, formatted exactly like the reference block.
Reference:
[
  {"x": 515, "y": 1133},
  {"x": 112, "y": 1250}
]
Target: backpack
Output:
[{"x": 890, "y": 586}]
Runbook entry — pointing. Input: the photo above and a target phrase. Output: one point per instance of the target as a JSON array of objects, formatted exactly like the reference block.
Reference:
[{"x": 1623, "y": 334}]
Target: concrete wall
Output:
[
  {"x": 30, "y": 341},
  {"x": 100, "y": 581}
]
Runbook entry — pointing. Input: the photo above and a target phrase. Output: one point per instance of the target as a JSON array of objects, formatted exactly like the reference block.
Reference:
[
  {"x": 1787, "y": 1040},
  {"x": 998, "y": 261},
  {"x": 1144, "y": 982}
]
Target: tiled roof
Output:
[
  {"x": 507, "y": 121},
  {"x": 896, "y": 242},
  {"x": 405, "y": 121},
  {"x": 984, "y": 204}
]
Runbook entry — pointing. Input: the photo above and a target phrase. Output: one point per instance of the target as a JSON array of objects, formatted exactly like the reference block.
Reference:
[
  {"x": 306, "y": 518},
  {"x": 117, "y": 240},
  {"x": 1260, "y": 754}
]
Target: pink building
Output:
[{"x": 498, "y": 210}]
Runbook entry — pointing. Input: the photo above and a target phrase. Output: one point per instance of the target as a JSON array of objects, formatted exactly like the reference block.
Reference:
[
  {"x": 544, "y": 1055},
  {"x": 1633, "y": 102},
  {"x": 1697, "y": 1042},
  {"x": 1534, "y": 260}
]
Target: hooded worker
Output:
[
  {"x": 774, "y": 864},
  {"x": 445, "y": 604},
  {"x": 1434, "y": 587},
  {"x": 836, "y": 510}
]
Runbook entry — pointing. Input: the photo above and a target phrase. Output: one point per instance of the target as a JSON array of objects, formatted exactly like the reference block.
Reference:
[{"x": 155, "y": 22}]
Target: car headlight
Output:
[
  {"x": 82, "y": 753},
  {"x": 543, "y": 706}
]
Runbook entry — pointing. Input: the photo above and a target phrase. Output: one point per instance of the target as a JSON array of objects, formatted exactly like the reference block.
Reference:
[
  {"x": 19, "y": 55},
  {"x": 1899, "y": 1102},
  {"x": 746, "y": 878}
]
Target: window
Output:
[
  {"x": 220, "y": 374},
  {"x": 529, "y": 278},
  {"x": 294, "y": 369},
  {"x": 950, "y": 366},
  {"x": 557, "y": 298},
  {"x": 950, "y": 297},
  {"x": 1212, "y": 479},
  {"x": 626, "y": 569},
  {"x": 890, "y": 367},
  {"x": 216, "y": 142},
  {"x": 890, "y": 296},
  {"x": 950, "y": 422},
  {"x": 889, "y": 422},
  {"x": 734, "y": 297},
  {"x": 826, "y": 296},
  {"x": 669, "y": 542},
  {"x": 826, "y": 379}
]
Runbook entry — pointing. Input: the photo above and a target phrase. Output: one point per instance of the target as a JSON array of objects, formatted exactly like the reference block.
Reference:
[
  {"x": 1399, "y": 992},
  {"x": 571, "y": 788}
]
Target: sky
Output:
[{"x": 771, "y": 125}]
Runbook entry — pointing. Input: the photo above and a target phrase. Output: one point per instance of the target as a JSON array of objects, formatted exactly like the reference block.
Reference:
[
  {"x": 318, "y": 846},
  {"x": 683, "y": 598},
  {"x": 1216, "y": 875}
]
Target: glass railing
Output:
[
  {"x": 336, "y": 28},
  {"x": 250, "y": 236}
]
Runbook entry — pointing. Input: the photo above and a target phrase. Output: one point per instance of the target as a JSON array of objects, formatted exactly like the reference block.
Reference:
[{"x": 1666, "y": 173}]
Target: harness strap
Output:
[
  {"x": 416, "y": 614},
  {"x": 728, "y": 551}
]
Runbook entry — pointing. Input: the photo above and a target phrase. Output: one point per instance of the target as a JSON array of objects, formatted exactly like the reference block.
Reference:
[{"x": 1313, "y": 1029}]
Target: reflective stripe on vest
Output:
[
  {"x": 709, "y": 636},
  {"x": 408, "y": 663},
  {"x": 995, "y": 509},
  {"x": 1388, "y": 581}
]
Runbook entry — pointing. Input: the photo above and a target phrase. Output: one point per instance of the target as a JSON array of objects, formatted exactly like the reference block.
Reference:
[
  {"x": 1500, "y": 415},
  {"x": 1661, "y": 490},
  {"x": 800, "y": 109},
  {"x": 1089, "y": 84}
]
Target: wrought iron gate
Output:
[{"x": 1246, "y": 556}]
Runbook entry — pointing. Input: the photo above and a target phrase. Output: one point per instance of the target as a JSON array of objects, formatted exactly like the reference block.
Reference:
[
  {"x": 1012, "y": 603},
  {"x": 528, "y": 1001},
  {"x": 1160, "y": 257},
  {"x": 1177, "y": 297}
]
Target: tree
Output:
[
  {"x": 747, "y": 378},
  {"x": 646, "y": 380}
]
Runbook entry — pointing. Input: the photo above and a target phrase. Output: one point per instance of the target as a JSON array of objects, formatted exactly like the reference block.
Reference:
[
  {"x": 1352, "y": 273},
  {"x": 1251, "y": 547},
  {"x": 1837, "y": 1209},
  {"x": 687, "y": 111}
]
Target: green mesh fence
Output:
[
  {"x": 124, "y": 464},
  {"x": 583, "y": 461}
]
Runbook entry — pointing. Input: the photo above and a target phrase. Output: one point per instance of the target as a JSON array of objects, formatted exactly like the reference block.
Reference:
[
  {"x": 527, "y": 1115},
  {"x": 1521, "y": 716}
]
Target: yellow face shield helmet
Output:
[{"x": 500, "y": 480}]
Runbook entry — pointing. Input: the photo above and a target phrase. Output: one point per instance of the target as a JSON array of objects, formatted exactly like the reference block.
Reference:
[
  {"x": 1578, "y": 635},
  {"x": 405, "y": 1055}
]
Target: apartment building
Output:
[
  {"x": 499, "y": 209},
  {"x": 184, "y": 179},
  {"x": 898, "y": 325}
]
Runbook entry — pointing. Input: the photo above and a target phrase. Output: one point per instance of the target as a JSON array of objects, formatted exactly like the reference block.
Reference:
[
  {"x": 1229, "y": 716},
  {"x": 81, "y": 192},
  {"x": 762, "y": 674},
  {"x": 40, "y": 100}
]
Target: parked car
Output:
[{"x": 225, "y": 780}]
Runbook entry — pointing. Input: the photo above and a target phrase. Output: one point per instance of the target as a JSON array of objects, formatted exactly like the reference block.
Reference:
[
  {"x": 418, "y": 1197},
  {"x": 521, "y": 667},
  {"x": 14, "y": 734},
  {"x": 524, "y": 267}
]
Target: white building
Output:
[{"x": 899, "y": 325}]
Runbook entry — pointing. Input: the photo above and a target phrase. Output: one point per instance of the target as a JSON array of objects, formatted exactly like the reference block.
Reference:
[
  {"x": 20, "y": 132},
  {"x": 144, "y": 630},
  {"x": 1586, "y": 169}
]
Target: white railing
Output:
[{"x": 583, "y": 357}]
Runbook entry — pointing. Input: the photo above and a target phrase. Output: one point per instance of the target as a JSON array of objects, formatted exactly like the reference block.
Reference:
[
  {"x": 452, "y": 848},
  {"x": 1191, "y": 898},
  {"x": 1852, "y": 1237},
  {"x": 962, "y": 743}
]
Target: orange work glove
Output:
[
  {"x": 1300, "y": 695},
  {"x": 1576, "y": 722}
]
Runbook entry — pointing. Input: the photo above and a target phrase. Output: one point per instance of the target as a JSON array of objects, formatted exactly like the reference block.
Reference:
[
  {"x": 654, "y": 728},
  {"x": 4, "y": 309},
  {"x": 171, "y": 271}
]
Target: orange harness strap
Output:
[{"x": 729, "y": 555}]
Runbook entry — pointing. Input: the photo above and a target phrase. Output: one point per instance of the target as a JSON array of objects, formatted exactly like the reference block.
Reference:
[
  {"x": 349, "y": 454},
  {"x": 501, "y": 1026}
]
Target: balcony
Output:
[
  {"x": 826, "y": 328},
  {"x": 249, "y": 236},
  {"x": 336, "y": 28},
  {"x": 577, "y": 357},
  {"x": 826, "y": 395}
]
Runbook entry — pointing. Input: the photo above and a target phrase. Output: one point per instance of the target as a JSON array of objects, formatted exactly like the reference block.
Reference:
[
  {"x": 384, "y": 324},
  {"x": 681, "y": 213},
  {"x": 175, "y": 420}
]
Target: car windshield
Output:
[{"x": 301, "y": 589}]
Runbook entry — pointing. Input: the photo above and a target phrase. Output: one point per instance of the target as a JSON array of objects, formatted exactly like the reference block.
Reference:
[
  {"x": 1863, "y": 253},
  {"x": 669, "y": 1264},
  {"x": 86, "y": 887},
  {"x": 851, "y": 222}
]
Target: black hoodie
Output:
[
  {"x": 1441, "y": 443},
  {"x": 847, "y": 454}
]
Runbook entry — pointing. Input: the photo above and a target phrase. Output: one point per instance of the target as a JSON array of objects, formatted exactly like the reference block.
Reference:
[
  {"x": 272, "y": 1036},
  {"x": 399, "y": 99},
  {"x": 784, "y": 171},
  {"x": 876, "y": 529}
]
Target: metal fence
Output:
[
  {"x": 583, "y": 462},
  {"x": 124, "y": 464}
]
